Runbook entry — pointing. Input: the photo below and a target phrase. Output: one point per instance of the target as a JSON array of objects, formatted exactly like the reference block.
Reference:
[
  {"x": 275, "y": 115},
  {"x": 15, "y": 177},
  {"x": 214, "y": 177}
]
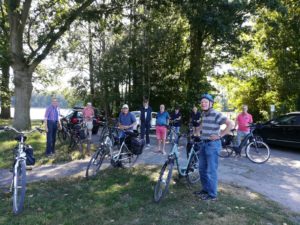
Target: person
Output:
[
  {"x": 52, "y": 123},
  {"x": 126, "y": 121},
  {"x": 162, "y": 121},
  {"x": 242, "y": 122},
  {"x": 210, "y": 147},
  {"x": 88, "y": 115},
  {"x": 195, "y": 120},
  {"x": 176, "y": 120},
  {"x": 145, "y": 118}
]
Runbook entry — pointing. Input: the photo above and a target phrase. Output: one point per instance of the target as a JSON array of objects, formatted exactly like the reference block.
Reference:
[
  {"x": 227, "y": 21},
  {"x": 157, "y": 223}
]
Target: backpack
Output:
[
  {"x": 30, "y": 159},
  {"x": 135, "y": 145}
]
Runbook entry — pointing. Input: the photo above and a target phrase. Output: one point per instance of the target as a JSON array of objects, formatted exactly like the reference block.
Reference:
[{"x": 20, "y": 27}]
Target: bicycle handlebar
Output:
[{"x": 7, "y": 128}]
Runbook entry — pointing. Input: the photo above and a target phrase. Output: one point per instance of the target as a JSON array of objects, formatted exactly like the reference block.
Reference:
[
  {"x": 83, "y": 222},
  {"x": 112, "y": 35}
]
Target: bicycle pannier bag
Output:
[
  {"x": 30, "y": 160},
  {"x": 226, "y": 140},
  {"x": 136, "y": 145}
]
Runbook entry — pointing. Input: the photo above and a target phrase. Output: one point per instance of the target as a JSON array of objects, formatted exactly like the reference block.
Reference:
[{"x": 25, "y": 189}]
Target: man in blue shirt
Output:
[
  {"x": 52, "y": 122},
  {"x": 162, "y": 121},
  {"x": 126, "y": 120}
]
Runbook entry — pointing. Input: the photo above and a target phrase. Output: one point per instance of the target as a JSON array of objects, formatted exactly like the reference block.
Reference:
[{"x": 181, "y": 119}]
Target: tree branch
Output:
[{"x": 53, "y": 37}]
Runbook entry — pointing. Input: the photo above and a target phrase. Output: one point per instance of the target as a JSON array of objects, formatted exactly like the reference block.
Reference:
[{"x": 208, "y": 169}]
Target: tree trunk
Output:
[
  {"x": 23, "y": 90},
  {"x": 196, "y": 80},
  {"x": 5, "y": 93},
  {"x": 91, "y": 66}
]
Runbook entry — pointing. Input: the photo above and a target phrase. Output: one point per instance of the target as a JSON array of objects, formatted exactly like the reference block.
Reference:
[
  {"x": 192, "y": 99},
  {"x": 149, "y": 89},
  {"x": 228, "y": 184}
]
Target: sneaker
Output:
[
  {"x": 148, "y": 145},
  {"x": 209, "y": 198}
]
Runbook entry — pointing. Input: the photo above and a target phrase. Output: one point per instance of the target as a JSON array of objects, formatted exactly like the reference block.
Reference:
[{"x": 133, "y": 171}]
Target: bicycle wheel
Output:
[
  {"x": 19, "y": 186},
  {"x": 104, "y": 132},
  {"x": 63, "y": 136},
  {"x": 192, "y": 171},
  {"x": 162, "y": 185},
  {"x": 95, "y": 163},
  {"x": 226, "y": 152},
  {"x": 127, "y": 158},
  {"x": 258, "y": 152}
]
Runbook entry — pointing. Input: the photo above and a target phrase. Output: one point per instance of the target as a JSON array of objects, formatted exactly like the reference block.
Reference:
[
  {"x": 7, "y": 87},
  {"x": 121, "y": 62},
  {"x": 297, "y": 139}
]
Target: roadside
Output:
[{"x": 278, "y": 179}]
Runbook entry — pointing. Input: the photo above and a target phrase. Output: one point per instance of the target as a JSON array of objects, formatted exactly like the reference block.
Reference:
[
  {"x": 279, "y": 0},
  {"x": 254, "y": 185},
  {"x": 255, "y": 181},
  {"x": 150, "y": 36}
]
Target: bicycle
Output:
[
  {"x": 119, "y": 151},
  {"x": 256, "y": 149},
  {"x": 18, "y": 184},
  {"x": 64, "y": 134},
  {"x": 190, "y": 171},
  {"x": 172, "y": 133}
]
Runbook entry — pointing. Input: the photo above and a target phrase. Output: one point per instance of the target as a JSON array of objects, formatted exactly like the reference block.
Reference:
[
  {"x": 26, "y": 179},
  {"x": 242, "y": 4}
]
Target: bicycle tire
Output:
[
  {"x": 19, "y": 186},
  {"x": 63, "y": 137},
  {"x": 258, "y": 152},
  {"x": 192, "y": 170},
  {"x": 226, "y": 152},
  {"x": 162, "y": 186},
  {"x": 127, "y": 158},
  {"x": 104, "y": 132},
  {"x": 95, "y": 163}
]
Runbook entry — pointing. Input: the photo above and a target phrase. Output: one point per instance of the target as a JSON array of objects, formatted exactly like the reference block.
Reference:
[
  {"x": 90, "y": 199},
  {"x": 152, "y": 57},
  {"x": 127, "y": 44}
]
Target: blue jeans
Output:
[
  {"x": 208, "y": 166},
  {"x": 51, "y": 136}
]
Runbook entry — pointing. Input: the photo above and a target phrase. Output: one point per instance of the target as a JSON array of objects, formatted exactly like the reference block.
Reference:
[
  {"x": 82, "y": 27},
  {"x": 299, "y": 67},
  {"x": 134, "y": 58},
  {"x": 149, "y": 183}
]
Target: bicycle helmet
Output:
[{"x": 208, "y": 97}]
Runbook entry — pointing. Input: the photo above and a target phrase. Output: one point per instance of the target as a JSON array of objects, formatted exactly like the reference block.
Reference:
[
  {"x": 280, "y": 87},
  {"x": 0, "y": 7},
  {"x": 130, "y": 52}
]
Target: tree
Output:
[
  {"x": 5, "y": 61},
  {"x": 53, "y": 18}
]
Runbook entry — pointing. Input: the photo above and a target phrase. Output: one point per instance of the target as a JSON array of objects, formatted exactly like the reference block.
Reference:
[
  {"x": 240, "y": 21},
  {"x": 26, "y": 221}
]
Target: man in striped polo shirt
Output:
[
  {"x": 211, "y": 146},
  {"x": 51, "y": 122}
]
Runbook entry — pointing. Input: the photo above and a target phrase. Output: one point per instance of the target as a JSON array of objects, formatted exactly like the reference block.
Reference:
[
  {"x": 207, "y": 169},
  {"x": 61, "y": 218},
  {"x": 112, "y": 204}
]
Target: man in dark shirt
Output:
[{"x": 145, "y": 119}]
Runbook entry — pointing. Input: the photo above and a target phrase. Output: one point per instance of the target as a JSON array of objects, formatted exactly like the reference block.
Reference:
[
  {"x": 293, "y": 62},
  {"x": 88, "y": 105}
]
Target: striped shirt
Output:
[
  {"x": 52, "y": 113},
  {"x": 211, "y": 122}
]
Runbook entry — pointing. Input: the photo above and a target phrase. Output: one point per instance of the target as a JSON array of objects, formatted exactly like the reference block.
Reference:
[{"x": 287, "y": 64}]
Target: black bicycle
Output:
[
  {"x": 256, "y": 149},
  {"x": 18, "y": 184}
]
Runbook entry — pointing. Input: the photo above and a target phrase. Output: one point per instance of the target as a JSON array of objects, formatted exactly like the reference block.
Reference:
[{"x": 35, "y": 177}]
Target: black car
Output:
[
  {"x": 284, "y": 130},
  {"x": 75, "y": 117}
]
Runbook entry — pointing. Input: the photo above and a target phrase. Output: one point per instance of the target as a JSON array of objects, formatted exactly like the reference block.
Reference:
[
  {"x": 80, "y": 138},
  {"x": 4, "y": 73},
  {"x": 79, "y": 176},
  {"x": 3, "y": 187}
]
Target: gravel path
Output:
[{"x": 278, "y": 179}]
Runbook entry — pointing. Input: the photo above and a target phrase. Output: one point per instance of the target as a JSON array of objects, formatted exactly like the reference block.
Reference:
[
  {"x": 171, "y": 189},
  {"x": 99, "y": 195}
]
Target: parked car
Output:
[
  {"x": 284, "y": 130},
  {"x": 138, "y": 115},
  {"x": 75, "y": 116}
]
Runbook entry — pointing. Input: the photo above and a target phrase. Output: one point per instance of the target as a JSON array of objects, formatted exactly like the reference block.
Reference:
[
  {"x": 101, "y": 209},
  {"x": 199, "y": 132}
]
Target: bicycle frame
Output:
[{"x": 174, "y": 155}]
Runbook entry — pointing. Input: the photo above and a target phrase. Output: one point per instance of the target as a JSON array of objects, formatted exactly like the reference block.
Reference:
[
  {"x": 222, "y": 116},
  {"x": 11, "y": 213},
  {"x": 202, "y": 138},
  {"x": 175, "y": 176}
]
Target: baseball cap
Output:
[
  {"x": 125, "y": 106},
  {"x": 89, "y": 103}
]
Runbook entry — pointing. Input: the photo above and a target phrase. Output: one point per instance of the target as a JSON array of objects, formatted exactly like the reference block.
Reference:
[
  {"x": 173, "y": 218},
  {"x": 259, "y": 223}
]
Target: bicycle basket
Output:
[
  {"x": 30, "y": 160},
  {"x": 135, "y": 145},
  {"x": 226, "y": 140}
]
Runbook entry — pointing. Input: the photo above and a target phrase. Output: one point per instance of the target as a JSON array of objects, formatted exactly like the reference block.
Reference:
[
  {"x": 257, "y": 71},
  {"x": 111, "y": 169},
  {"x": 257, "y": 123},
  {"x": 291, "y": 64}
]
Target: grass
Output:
[
  {"x": 38, "y": 142},
  {"x": 119, "y": 196}
]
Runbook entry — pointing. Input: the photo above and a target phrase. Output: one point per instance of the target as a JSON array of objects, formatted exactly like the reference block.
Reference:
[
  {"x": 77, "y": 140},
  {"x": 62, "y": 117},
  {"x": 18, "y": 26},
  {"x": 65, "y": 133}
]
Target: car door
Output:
[
  {"x": 272, "y": 131},
  {"x": 292, "y": 130}
]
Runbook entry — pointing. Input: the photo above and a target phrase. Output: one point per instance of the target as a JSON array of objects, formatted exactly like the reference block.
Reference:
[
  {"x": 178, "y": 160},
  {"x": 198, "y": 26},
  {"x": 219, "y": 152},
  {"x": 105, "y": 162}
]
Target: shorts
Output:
[
  {"x": 161, "y": 132},
  {"x": 89, "y": 125}
]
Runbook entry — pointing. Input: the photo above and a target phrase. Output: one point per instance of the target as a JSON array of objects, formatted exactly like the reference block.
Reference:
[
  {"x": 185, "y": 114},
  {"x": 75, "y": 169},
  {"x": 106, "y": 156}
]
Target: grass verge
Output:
[
  {"x": 119, "y": 196},
  {"x": 38, "y": 142}
]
